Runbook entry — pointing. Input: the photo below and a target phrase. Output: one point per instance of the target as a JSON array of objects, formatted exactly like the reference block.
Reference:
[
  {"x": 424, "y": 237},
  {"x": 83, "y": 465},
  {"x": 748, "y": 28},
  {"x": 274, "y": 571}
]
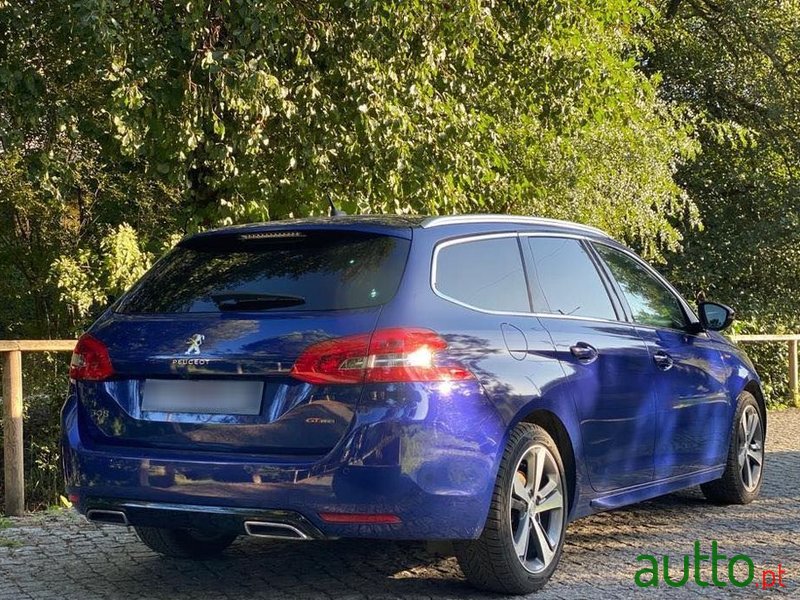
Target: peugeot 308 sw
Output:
[{"x": 480, "y": 379}]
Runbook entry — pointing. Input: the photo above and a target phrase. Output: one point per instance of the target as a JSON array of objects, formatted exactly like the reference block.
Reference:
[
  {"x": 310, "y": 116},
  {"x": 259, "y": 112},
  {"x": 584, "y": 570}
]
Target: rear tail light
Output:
[
  {"x": 90, "y": 360},
  {"x": 386, "y": 356}
]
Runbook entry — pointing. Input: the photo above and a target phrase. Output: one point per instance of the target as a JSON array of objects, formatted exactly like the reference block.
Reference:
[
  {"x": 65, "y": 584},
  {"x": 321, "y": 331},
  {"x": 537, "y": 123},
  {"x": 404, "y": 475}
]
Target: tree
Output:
[
  {"x": 733, "y": 65},
  {"x": 232, "y": 111}
]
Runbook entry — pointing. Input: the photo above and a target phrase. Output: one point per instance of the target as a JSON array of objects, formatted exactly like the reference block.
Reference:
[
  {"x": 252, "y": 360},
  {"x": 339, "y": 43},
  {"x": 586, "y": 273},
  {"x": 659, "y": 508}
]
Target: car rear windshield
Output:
[{"x": 306, "y": 271}]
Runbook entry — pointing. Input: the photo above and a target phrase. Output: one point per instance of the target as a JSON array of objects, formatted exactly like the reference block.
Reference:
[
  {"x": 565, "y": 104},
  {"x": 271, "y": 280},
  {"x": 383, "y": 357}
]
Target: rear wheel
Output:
[
  {"x": 741, "y": 481},
  {"x": 184, "y": 543},
  {"x": 521, "y": 542}
]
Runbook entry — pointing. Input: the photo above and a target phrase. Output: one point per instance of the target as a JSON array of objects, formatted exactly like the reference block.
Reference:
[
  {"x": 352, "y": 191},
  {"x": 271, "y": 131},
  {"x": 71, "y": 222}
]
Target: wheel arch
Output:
[
  {"x": 551, "y": 423},
  {"x": 754, "y": 388}
]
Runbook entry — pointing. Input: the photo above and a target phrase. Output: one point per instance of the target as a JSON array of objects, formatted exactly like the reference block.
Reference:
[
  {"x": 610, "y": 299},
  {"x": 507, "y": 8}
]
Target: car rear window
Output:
[{"x": 306, "y": 271}]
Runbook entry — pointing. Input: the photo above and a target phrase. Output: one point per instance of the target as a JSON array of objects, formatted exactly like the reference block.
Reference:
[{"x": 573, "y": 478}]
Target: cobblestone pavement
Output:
[{"x": 59, "y": 555}]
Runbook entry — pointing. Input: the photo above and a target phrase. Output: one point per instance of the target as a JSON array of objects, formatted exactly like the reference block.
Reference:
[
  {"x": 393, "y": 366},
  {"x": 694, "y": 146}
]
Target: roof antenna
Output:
[{"x": 335, "y": 212}]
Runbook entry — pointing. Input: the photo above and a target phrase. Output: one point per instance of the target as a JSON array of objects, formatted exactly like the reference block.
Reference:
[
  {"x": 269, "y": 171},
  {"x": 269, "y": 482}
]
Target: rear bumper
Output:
[{"x": 433, "y": 465}]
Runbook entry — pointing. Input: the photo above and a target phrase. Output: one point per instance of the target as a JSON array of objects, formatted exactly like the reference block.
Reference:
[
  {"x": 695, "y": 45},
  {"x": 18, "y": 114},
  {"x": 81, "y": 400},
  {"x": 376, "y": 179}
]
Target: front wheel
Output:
[
  {"x": 521, "y": 542},
  {"x": 744, "y": 469},
  {"x": 184, "y": 543}
]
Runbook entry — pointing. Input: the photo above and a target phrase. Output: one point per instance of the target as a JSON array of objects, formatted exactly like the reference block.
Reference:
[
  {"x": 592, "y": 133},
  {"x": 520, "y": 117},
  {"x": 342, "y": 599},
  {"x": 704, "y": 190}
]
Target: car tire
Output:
[
  {"x": 496, "y": 561},
  {"x": 744, "y": 467},
  {"x": 184, "y": 543}
]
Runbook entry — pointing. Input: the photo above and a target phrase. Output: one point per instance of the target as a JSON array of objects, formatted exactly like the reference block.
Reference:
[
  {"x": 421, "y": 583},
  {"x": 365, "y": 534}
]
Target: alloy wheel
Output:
[
  {"x": 751, "y": 448},
  {"x": 537, "y": 508}
]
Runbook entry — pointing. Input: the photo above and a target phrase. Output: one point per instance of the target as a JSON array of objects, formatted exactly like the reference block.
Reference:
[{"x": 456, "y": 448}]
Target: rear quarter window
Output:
[
  {"x": 484, "y": 273},
  {"x": 305, "y": 271}
]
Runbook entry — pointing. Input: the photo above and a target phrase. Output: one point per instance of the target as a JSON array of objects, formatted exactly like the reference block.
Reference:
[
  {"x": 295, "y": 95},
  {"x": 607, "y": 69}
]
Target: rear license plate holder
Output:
[{"x": 202, "y": 396}]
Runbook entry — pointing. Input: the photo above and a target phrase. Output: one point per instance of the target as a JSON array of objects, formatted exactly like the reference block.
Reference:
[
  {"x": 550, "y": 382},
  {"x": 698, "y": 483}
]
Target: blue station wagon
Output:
[{"x": 481, "y": 379}]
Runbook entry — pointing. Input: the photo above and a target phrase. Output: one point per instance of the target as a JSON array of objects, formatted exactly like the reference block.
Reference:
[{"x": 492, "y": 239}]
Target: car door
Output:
[
  {"x": 605, "y": 361},
  {"x": 693, "y": 405}
]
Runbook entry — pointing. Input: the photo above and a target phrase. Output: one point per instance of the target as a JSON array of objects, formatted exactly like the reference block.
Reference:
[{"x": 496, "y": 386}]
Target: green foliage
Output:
[
  {"x": 397, "y": 106},
  {"x": 44, "y": 377},
  {"x": 85, "y": 281},
  {"x": 257, "y": 110},
  {"x": 733, "y": 65}
]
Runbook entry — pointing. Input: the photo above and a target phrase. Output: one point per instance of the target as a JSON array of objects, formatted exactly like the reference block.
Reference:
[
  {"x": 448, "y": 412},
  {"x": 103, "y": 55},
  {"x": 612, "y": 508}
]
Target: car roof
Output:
[{"x": 402, "y": 225}]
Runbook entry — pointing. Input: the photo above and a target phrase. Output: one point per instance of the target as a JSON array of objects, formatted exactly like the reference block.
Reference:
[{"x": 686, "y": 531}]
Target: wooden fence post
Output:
[
  {"x": 793, "y": 369},
  {"x": 12, "y": 434}
]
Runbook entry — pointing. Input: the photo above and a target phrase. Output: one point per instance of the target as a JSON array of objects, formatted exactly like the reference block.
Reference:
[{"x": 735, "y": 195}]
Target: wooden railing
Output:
[
  {"x": 14, "y": 476},
  {"x": 791, "y": 340},
  {"x": 11, "y": 352}
]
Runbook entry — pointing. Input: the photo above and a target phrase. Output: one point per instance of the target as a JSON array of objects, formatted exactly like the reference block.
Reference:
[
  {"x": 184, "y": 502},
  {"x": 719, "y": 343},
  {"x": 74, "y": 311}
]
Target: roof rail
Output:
[{"x": 463, "y": 219}]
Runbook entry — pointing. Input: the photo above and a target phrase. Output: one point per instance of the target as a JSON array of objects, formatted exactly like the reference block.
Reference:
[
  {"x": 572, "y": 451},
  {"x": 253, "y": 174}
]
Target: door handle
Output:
[
  {"x": 663, "y": 360},
  {"x": 585, "y": 353}
]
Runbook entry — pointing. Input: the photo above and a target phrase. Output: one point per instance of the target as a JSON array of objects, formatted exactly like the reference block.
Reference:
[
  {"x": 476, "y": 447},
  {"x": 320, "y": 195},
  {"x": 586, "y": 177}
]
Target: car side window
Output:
[
  {"x": 483, "y": 273},
  {"x": 565, "y": 281},
  {"x": 651, "y": 302}
]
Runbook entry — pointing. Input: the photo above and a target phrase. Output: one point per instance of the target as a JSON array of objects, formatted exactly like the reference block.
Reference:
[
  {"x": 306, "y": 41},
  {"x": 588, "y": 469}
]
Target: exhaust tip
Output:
[
  {"x": 109, "y": 517},
  {"x": 279, "y": 531}
]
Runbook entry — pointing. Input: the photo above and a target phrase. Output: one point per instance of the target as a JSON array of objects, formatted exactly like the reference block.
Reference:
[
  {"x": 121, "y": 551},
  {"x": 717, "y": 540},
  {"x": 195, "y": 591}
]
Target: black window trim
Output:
[
  {"x": 627, "y": 313},
  {"x": 608, "y": 282},
  {"x": 616, "y": 305},
  {"x": 691, "y": 317}
]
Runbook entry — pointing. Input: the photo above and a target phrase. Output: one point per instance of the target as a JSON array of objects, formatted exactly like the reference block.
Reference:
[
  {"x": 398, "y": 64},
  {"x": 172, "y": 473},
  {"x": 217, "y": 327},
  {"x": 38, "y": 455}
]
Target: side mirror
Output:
[{"x": 715, "y": 317}]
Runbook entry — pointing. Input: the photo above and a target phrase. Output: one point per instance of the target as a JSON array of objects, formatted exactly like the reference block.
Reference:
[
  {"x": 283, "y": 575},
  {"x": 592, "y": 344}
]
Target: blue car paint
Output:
[{"x": 426, "y": 452}]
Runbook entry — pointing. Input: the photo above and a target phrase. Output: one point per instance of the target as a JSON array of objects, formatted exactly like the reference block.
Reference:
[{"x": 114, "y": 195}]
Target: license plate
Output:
[{"x": 202, "y": 396}]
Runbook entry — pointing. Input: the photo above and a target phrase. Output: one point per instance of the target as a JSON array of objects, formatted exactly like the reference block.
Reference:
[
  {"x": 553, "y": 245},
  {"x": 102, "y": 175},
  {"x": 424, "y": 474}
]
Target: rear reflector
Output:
[
  {"x": 387, "y": 356},
  {"x": 90, "y": 360},
  {"x": 359, "y": 518}
]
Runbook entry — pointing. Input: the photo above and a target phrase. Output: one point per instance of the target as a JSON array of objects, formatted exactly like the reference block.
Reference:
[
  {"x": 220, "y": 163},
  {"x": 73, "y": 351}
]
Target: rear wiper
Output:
[{"x": 246, "y": 301}]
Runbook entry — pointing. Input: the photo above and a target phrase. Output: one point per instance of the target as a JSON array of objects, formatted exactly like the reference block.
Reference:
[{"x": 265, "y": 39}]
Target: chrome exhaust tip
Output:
[
  {"x": 276, "y": 531},
  {"x": 109, "y": 517}
]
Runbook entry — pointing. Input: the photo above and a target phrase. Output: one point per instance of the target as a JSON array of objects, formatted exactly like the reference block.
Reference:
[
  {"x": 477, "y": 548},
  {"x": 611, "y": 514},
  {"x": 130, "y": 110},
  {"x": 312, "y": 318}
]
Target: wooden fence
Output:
[
  {"x": 11, "y": 352},
  {"x": 14, "y": 475}
]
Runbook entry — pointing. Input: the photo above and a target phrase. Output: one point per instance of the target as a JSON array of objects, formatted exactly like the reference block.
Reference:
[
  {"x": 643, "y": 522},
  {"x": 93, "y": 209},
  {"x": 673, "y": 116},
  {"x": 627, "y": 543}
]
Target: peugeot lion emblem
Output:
[{"x": 194, "y": 343}]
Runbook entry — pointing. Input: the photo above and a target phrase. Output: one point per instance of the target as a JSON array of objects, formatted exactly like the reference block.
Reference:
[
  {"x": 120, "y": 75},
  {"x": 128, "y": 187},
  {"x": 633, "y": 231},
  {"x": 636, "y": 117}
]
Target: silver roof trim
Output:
[{"x": 464, "y": 219}]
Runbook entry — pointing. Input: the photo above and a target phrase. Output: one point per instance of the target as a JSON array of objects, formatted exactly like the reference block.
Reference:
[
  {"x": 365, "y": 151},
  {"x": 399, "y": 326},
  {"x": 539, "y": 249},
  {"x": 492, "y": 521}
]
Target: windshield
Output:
[{"x": 309, "y": 271}]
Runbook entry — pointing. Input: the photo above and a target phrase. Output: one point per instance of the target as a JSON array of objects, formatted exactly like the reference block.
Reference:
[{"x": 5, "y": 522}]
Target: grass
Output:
[{"x": 5, "y": 542}]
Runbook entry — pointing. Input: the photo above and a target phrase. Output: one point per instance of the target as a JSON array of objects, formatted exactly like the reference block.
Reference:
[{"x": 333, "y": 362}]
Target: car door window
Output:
[
  {"x": 565, "y": 280},
  {"x": 650, "y": 301},
  {"x": 483, "y": 273}
]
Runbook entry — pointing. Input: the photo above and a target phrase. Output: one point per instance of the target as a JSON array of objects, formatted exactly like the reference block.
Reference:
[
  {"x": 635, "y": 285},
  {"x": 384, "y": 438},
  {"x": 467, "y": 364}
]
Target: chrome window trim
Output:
[
  {"x": 512, "y": 219},
  {"x": 634, "y": 256},
  {"x": 484, "y": 236},
  {"x": 464, "y": 240}
]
